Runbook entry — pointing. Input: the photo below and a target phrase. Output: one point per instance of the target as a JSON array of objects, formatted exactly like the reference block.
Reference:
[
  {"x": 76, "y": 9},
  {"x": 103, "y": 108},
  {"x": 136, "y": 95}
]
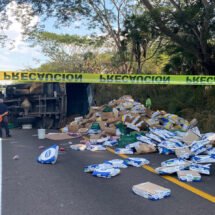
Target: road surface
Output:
[{"x": 30, "y": 188}]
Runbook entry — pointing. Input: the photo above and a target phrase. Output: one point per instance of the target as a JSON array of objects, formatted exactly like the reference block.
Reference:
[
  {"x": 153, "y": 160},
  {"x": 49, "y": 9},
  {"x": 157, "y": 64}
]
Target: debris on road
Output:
[
  {"x": 106, "y": 173},
  {"x": 130, "y": 128},
  {"x": 78, "y": 147},
  {"x": 202, "y": 169},
  {"x": 117, "y": 163},
  {"x": 137, "y": 162},
  {"x": 16, "y": 157},
  {"x": 151, "y": 191},
  {"x": 58, "y": 136},
  {"x": 189, "y": 176},
  {"x": 49, "y": 156}
]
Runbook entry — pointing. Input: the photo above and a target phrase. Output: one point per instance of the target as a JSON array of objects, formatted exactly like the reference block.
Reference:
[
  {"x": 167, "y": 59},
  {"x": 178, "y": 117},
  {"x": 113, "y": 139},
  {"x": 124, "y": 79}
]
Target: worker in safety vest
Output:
[
  {"x": 4, "y": 119},
  {"x": 148, "y": 102}
]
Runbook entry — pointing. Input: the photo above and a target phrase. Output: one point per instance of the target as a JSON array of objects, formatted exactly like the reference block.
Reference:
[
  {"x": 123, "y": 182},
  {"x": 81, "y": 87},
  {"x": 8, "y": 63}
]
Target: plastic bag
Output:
[
  {"x": 106, "y": 173},
  {"x": 49, "y": 156},
  {"x": 137, "y": 162},
  {"x": 92, "y": 167},
  {"x": 117, "y": 163},
  {"x": 175, "y": 162},
  {"x": 123, "y": 151},
  {"x": 202, "y": 169}
]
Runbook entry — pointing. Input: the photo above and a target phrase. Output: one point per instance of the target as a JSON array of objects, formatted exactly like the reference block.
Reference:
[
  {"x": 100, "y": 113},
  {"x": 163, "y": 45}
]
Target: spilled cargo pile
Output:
[{"x": 130, "y": 128}]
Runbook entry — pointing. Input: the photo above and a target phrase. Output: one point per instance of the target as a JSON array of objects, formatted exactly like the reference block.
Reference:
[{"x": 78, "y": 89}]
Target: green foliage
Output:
[{"x": 189, "y": 25}]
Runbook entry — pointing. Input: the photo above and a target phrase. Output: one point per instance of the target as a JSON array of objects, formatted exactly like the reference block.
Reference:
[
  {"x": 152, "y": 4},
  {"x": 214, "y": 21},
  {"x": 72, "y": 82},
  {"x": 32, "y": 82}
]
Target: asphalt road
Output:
[{"x": 30, "y": 188}]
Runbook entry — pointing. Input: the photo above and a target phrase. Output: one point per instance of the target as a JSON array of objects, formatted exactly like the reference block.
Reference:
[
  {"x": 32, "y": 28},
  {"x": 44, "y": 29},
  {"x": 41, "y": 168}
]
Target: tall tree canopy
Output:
[
  {"x": 190, "y": 25},
  {"x": 107, "y": 15}
]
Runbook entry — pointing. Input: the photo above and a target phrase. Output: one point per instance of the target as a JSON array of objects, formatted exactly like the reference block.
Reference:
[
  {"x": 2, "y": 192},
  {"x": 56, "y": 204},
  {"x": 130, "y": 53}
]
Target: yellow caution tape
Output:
[{"x": 106, "y": 78}]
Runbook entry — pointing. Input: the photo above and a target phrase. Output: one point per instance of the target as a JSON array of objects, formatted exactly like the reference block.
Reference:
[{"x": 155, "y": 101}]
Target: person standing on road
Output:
[
  {"x": 4, "y": 119},
  {"x": 1, "y": 95},
  {"x": 148, "y": 102}
]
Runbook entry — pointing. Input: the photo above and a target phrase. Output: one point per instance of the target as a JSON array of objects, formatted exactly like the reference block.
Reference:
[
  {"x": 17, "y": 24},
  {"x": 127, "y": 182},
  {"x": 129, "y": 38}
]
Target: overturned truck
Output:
[{"x": 46, "y": 105}]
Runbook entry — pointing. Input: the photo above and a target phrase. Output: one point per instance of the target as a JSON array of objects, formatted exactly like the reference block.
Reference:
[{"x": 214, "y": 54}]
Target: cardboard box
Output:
[
  {"x": 151, "y": 191},
  {"x": 73, "y": 127},
  {"x": 102, "y": 125},
  {"x": 145, "y": 149},
  {"x": 190, "y": 137},
  {"x": 107, "y": 115},
  {"x": 110, "y": 131},
  {"x": 148, "y": 112},
  {"x": 183, "y": 153},
  {"x": 58, "y": 136},
  {"x": 113, "y": 120},
  {"x": 95, "y": 137}
]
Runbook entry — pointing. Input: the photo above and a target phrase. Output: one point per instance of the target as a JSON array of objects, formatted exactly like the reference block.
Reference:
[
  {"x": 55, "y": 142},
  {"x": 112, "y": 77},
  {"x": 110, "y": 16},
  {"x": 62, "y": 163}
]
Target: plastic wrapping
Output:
[
  {"x": 166, "y": 170},
  {"x": 123, "y": 151},
  {"x": 189, "y": 176},
  {"x": 78, "y": 147},
  {"x": 117, "y": 163},
  {"x": 198, "y": 147},
  {"x": 137, "y": 162},
  {"x": 145, "y": 139},
  {"x": 202, "y": 169},
  {"x": 175, "y": 162},
  {"x": 49, "y": 156},
  {"x": 106, "y": 173},
  {"x": 210, "y": 151},
  {"x": 183, "y": 153},
  {"x": 110, "y": 143},
  {"x": 92, "y": 167},
  {"x": 204, "y": 159},
  {"x": 154, "y": 137},
  {"x": 94, "y": 148}
]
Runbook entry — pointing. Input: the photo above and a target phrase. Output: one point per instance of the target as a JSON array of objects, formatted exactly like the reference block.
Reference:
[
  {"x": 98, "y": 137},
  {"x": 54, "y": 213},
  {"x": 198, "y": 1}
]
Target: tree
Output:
[
  {"x": 140, "y": 38},
  {"x": 73, "y": 53},
  {"x": 190, "y": 25},
  {"x": 107, "y": 15}
]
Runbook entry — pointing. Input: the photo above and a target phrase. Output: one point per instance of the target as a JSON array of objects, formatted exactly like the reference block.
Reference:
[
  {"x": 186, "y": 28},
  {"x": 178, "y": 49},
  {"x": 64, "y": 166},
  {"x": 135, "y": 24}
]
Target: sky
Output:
[{"x": 21, "y": 56}]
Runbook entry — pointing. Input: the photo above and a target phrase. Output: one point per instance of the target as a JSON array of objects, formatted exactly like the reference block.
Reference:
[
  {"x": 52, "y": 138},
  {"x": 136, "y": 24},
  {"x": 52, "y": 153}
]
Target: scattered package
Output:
[
  {"x": 183, "y": 153},
  {"x": 167, "y": 170},
  {"x": 117, "y": 163},
  {"x": 130, "y": 128},
  {"x": 94, "y": 148},
  {"x": 204, "y": 159},
  {"x": 49, "y": 156},
  {"x": 92, "y": 167},
  {"x": 189, "y": 176},
  {"x": 144, "y": 149},
  {"x": 202, "y": 169},
  {"x": 190, "y": 137},
  {"x": 124, "y": 151},
  {"x": 200, "y": 146},
  {"x": 106, "y": 173},
  {"x": 137, "y": 162},
  {"x": 175, "y": 162},
  {"x": 78, "y": 147},
  {"x": 151, "y": 191}
]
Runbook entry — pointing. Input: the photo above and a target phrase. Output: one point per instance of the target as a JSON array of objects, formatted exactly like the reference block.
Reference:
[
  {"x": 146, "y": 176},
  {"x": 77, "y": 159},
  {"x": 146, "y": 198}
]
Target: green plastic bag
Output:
[
  {"x": 122, "y": 128},
  {"x": 107, "y": 109},
  {"x": 125, "y": 140},
  {"x": 95, "y": 126}
]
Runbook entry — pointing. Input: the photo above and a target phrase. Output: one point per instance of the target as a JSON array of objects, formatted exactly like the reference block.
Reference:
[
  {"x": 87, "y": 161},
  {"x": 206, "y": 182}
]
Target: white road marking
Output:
[{"x": 0, "y": 176}]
